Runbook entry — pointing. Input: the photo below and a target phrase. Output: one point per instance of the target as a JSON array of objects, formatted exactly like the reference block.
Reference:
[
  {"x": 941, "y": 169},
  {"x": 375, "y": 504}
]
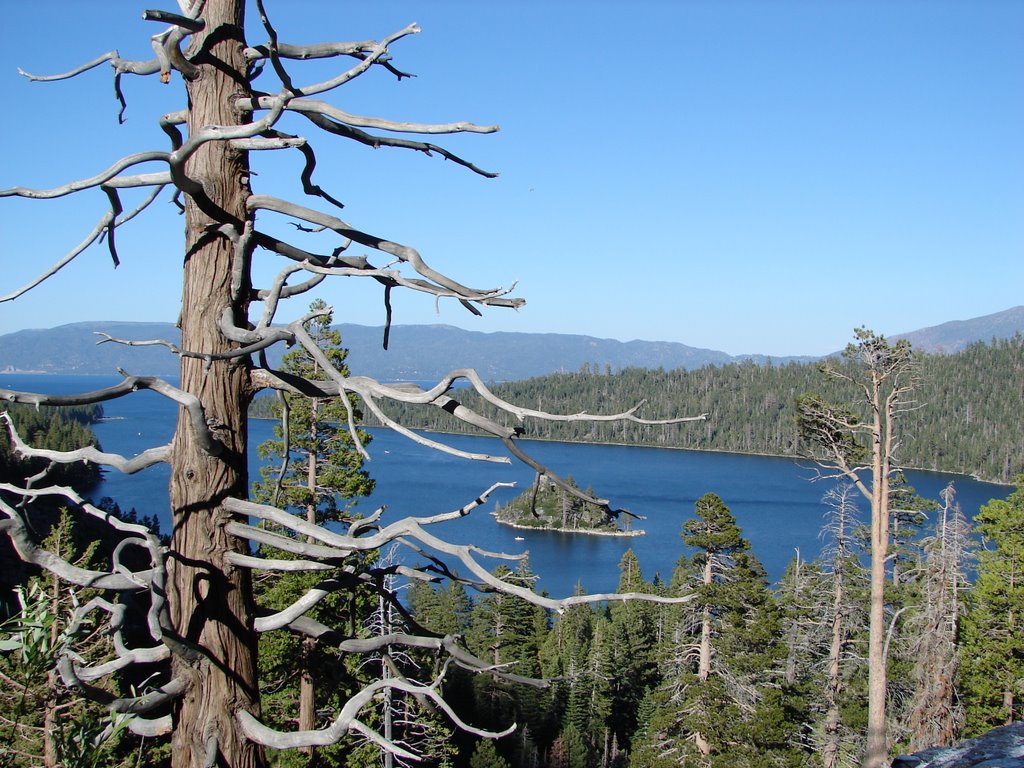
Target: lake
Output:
[{"x": 776, "y": 504}]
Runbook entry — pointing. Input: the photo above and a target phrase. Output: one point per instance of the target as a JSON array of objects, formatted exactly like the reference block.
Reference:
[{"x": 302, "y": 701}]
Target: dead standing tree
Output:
[
  {"x": 201, "y": 618},
  {"x": 859, "y": 444},
  {"x": 936, "y": 715}
]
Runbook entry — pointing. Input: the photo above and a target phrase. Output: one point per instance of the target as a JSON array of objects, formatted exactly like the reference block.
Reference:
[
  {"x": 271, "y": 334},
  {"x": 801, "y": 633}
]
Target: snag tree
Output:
[
  {"x": 858, "y": 442},
  {"x": 202, "y": 622}
]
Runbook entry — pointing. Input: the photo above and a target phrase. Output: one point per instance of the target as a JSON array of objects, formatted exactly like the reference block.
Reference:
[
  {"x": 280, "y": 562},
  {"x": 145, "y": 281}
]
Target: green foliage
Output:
[
  {"x": 547, "y": 505},
  {"x": 312, "y": 462},
  {"x": 485, "y": 755},
  {"x": 41, "y": 721},
  {"x": 713, "y": 531},
  {"x": 992, "y": 649},
  {"x": 64, "y": 428},
  {"x": 315, "y": 471}
]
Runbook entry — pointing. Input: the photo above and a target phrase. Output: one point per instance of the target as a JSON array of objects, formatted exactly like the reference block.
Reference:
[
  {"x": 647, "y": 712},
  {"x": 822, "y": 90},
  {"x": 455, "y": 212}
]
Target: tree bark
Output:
[
  {"x": 50, "y": 757},
  {"x": 834, "y": 684},
  {"x": 307, "y": 691},
  {"x": 210, "y": 600},
  {"x": 704, "y": 660},
  {"x": 877, "y": 751}
]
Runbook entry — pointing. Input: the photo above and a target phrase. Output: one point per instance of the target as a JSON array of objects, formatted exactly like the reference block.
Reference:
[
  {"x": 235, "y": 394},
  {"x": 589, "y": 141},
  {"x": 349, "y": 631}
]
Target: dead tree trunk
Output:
[
  {"x": 935, "y": 716},
  {"x": 307, "y": 691},
  {"x": 883, "y": 375},
  {"x": 842, "y": 512},
  {"x": 211, "y": 599},
  {"x": 877, "y": 750},
  {"x": 704, "y": 659}
]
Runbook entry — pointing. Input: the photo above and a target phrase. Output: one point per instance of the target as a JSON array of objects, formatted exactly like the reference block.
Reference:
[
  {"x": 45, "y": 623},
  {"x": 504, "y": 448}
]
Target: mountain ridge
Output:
[{"x": 426, "y": 352}]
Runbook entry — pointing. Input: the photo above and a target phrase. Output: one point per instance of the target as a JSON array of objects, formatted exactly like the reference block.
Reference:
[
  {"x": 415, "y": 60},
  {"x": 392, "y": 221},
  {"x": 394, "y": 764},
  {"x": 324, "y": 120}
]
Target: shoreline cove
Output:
[{"x": 789, "y": 456}]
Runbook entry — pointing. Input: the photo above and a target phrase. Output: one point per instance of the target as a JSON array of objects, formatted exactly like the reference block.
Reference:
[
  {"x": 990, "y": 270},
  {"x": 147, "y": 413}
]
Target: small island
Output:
[{"x": 546, "y": 506}]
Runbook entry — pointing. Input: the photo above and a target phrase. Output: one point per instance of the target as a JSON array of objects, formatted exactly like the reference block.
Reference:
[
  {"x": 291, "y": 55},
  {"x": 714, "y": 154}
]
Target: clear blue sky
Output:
[{"x": 744, "y": 176}]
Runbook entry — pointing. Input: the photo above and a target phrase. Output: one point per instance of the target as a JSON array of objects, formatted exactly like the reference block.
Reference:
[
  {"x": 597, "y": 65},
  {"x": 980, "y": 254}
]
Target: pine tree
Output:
[
  {"x": 800, "y": 611},
  {"x": 713, "y": 532},
  {"x": 660, "y": 727},
  {"x": 485, "y": 755},
  {"x": 314, "y": 470},
  {"x": 722, "y": 699},
  {"x": 313, "y": 461},
  {"x": 445, "y": 610},
  {"x": 992, "y": 651},
  {"x": 631, "y": 654},
  {"x": 509, "y": 632}
]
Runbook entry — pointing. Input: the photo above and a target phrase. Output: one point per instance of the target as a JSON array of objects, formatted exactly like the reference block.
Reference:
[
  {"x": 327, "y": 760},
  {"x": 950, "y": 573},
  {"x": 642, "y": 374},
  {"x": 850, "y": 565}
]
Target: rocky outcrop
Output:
[{"x": 999, "y": 748}]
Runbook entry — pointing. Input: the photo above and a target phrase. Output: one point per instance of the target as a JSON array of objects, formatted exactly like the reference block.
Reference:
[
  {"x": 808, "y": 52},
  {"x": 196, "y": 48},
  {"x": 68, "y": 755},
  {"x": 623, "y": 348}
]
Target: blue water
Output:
[{"x": 776, "y": 504}]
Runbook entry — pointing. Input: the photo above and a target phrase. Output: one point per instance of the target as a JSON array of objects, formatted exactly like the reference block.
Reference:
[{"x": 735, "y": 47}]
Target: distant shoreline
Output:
[
  {"x": 974, "y": 475},
  {"x": 583, "y": 531},
  {"x": 790, "y": 456}
]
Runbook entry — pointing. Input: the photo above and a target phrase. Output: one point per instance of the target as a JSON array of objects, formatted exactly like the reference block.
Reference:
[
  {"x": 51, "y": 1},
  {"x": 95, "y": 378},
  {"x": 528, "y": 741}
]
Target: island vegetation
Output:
[{"x": 548, "y": 506}]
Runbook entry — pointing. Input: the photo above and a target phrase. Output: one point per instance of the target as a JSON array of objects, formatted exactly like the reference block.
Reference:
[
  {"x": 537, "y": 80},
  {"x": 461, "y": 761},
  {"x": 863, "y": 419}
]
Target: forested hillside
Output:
[
  {"x": 968, "y": 416},
  {"x": 57, "y": 429}
]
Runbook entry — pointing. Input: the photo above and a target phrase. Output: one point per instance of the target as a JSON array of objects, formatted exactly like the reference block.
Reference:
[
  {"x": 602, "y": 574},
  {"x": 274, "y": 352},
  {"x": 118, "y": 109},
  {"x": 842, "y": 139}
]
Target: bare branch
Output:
[
  {"x": 120, "y": 65},
  {"x": 150, "y": 728},
  {"x": 413, "y": 528},
  {"x": 371, "y": 57},
  {"x": 316, "y": 106},
  {"x": 340, "y": 129},
  {"x": 91, "y": 238},
  {"x": 346, "y": 719},
  {"x": 105, "y": 224},
  {"x": 270, "y": 564},
  {"x": 192, "y": 25},
  {"x": 128, "y": 705},
  {"x": 89, "y": 453},
  {"x": 93, "y": 181},
  {"x": 404, "y": 253},
  {"x": 305, "y": 52},
  {"x": 190, "y": 402},
  {"x": 20, "y": 538}
]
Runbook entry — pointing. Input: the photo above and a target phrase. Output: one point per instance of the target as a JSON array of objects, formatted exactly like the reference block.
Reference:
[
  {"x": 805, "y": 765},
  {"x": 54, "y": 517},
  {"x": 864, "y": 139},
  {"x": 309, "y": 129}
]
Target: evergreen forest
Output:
[
  {"x": 54, "y": 428},
  {"x": 967, "y": 417}
]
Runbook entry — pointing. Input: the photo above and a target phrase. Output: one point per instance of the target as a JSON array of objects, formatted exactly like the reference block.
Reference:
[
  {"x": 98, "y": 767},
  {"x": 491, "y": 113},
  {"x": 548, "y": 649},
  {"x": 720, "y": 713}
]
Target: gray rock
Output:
[{"x": 999, "y": 748}]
